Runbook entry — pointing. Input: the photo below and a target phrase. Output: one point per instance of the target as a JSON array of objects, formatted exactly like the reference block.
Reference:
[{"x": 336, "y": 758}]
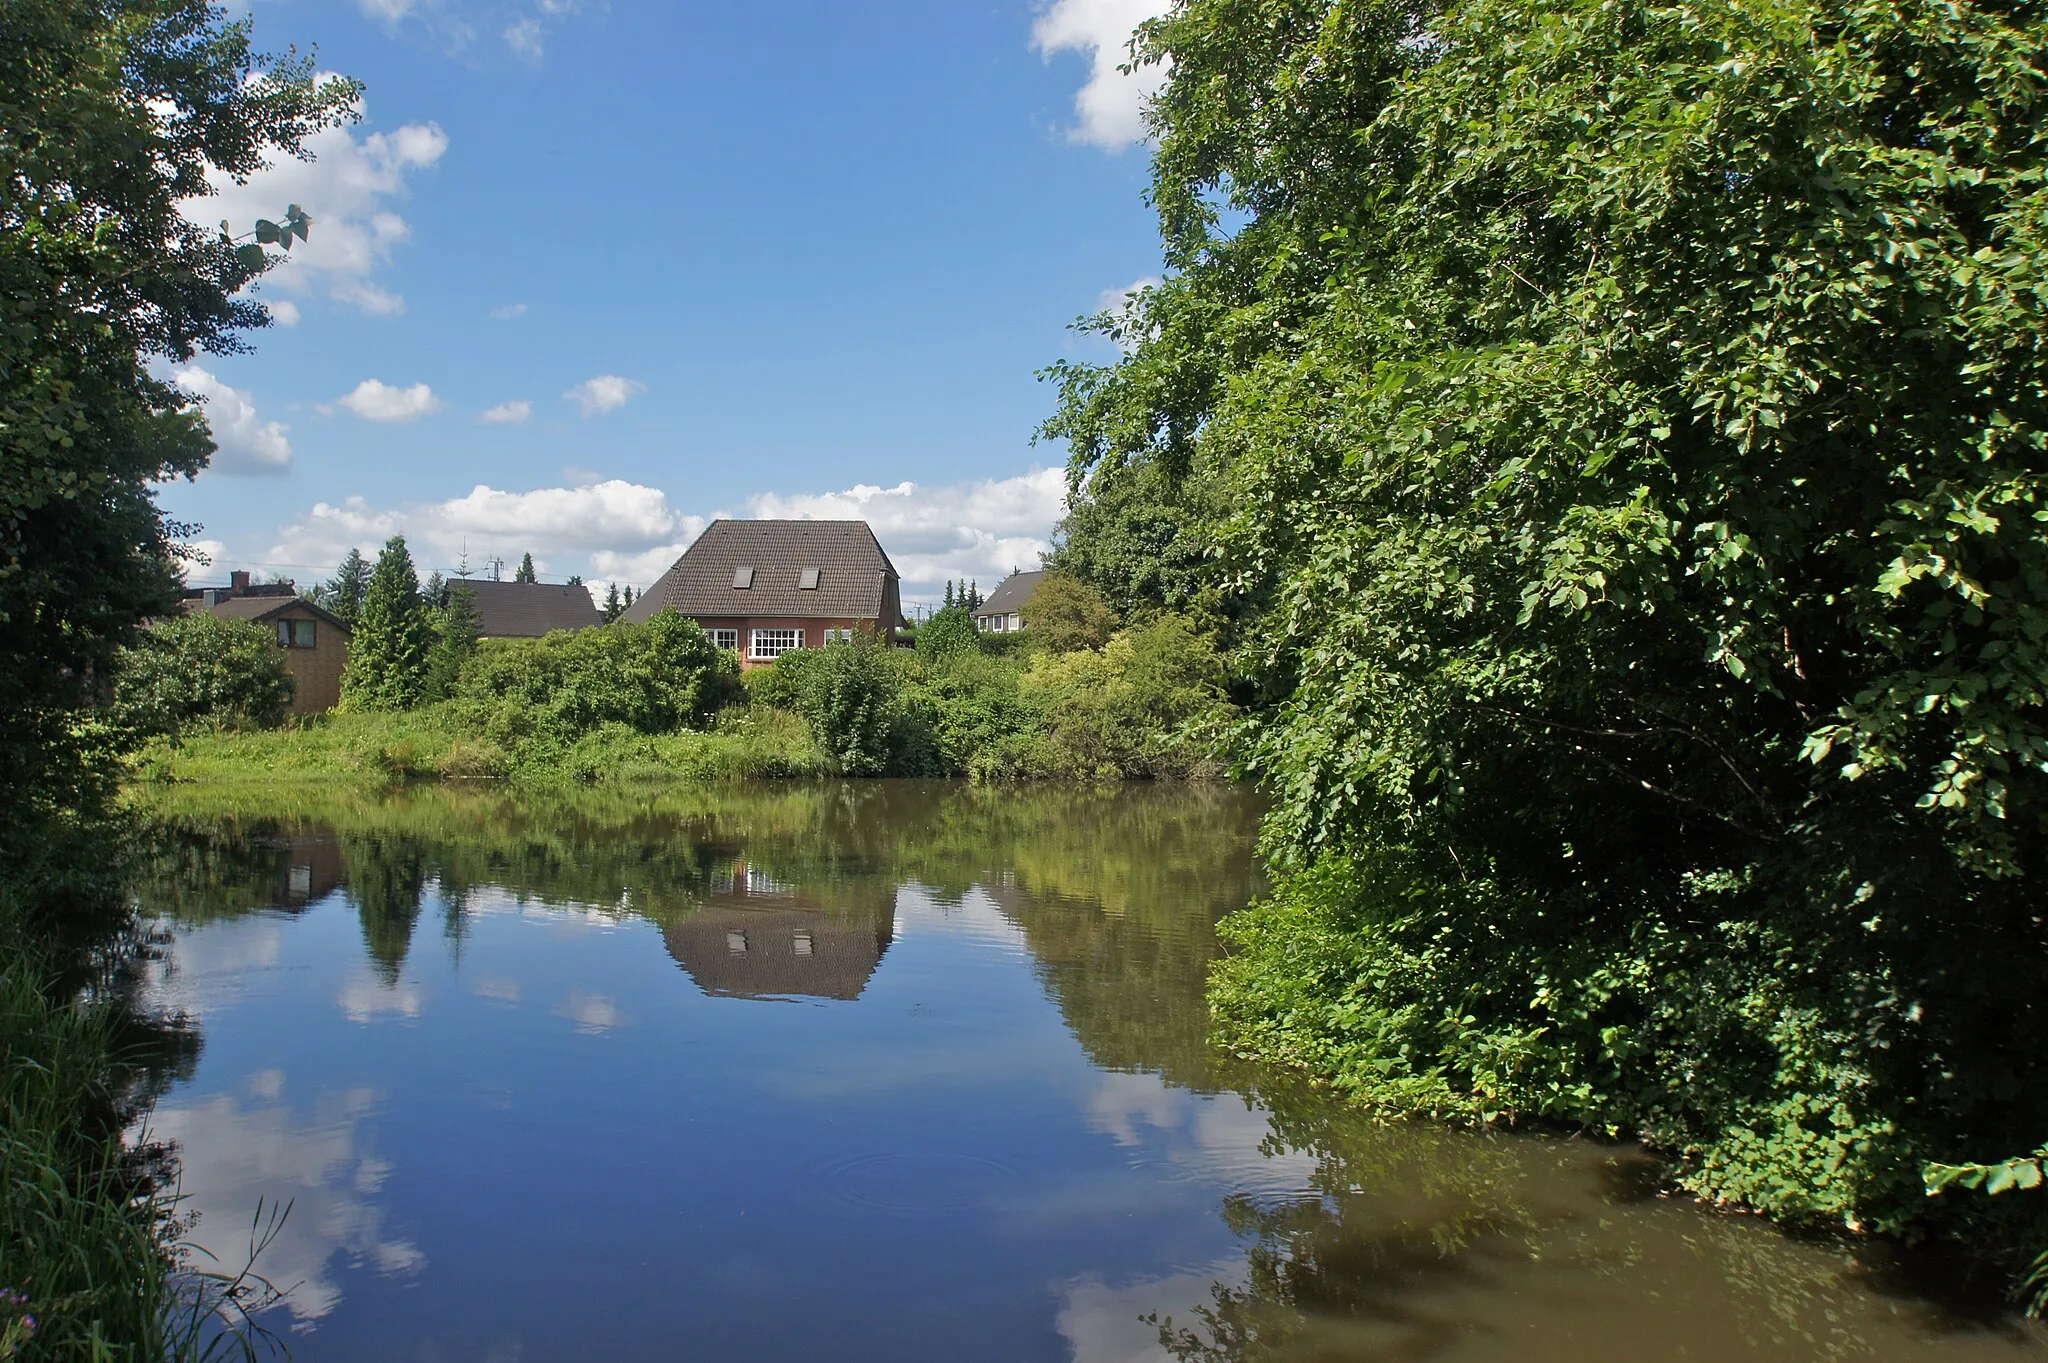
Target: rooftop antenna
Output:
[{"x": 496, "y": 565}]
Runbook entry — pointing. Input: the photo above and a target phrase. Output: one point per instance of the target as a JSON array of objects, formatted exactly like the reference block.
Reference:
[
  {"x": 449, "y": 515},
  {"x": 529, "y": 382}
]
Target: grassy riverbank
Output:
[{"x": 443, "y": 742}]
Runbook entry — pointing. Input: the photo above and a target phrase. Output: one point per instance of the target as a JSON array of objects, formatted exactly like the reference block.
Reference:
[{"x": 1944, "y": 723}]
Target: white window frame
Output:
[
  {"x": 726, "y": 638},
  {"x": 838, "y": 636},
  {"x": 289, "y": 633},
  {"x": 766, "y": 645}
]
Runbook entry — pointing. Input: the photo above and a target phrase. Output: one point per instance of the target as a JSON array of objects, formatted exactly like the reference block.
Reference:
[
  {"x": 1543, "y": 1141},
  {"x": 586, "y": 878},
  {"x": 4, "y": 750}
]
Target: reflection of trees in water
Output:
[
  {"x": 385, "y": 878},
  {"x": 1102, "y": 876}
]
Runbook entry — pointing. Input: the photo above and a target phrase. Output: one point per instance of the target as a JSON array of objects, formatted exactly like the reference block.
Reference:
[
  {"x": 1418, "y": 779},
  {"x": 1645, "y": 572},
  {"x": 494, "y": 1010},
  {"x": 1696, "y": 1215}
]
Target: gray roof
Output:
[
  {"x": 1010, "y": 597},
  {"x": 262, "y": 608},
  {"x": 853, "y": 572},
  {"x": 527, "y": 610}
]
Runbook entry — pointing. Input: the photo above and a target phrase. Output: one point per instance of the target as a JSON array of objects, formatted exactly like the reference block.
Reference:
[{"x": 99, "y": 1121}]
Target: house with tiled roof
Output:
[
  {"x": 527, "y": 610},
  {"x": 314, "y": 639},
  {"x": 764, "y": 588},
  {"x": 1003, "y": 612}
]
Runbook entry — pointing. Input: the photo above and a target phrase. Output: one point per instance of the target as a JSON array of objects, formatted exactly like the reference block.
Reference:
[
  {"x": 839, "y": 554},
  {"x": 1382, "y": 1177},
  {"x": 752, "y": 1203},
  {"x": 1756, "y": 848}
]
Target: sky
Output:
[{"x": 586, "y": 276}]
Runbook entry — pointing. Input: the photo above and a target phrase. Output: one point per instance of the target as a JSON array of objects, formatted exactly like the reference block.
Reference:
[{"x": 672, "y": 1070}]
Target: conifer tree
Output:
[
  {"x": 455, "y": 635},
  {"x": 525, "y": 571},
  {"x": 949, "y": 596},
  {"x": 387, "y": 657},
  {"x": 343, "y": 593},
  {"x": 612, "y": 605}
]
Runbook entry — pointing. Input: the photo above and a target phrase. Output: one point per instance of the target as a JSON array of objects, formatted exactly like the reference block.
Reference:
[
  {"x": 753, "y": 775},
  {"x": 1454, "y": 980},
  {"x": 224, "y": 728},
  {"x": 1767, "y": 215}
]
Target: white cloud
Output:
[
  {"x": 1110, "y": 108},
  {"x": 979, "y": 530},
  {"x": 507, "y": 413},
  {"x": 526, "y": 40},
  {"x": 248, "y": 444},
  {"x": 509, "y": 312},
  {"x": 617, "y": 531},
  {"x": 390, "y": 11},
  {"x": 1122, "y": 302},
  {"x": 605, "y": 523},
  {"x": 374, "y": 400},
  {"x": 284, "y": 312},
  {"x": 345, "y": 189},
  {"x": 605, "y": 393}
]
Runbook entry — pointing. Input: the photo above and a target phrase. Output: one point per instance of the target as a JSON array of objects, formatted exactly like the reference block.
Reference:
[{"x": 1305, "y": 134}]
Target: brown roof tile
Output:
[
  {"x": 527, "y": 610},
  {"x": 853, "y": 572}
]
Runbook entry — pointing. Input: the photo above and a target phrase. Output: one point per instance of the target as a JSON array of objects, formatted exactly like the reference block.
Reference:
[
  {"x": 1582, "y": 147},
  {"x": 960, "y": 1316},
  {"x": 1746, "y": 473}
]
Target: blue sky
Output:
[{"x": 586, "y": 275}]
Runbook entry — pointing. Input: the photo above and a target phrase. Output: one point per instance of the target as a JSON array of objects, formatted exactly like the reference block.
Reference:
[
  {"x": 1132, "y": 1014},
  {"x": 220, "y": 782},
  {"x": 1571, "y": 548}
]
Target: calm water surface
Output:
[{"x": 879, "y": 1071}]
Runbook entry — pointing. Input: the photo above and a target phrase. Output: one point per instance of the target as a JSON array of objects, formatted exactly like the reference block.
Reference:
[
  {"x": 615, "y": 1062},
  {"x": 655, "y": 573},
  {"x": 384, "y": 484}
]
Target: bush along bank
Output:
[
  {"x": 656, "y": 701},
  {"x": 1620, "y": 435}
]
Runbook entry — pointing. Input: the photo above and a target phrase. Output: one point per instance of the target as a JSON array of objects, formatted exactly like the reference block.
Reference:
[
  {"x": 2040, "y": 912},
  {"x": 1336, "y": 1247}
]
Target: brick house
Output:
[
  {"x": 315, "y": 640},
  {"x": 763, "y": 588}
]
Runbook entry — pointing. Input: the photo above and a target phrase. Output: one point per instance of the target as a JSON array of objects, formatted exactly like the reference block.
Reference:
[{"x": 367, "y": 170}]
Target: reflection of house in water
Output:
[
  {"x": 312, "y": 870},
  {"x": 758, "y": 938}
]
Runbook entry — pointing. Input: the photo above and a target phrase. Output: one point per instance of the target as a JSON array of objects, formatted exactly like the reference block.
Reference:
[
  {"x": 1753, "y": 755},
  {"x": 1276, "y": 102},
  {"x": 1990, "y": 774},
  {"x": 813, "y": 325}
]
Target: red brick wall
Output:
[{"x": 814, "y": 628}]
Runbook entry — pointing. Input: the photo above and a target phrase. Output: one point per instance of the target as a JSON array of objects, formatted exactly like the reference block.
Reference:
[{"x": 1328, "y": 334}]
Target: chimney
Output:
[{"x": 238, "y": 581}]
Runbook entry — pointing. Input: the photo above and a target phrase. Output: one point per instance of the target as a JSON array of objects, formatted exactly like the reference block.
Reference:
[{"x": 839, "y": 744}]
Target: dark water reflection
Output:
[{"x": 866, "y": 1071}]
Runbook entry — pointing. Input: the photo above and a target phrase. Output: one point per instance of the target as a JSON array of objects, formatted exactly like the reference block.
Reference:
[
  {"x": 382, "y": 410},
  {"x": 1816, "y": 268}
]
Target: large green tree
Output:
[
  {"x": 1627, "y": 424},
  {"x": 389, "y": 651},
  {"x": 112, "y": 116}
]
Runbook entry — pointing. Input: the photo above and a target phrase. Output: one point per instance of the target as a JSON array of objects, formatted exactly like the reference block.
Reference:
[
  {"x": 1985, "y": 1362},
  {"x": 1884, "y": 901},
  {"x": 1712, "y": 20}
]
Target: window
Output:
[
  {"x": 726, "y": 638},
  {"x": 742, "y": 578},
  {"x": 807, "y": 581},
  {"x": 838, "y": 636},
  {"x": 295, "y": 633},
  {"x": 800, "y": 942},
  {"x": 736, "y": 943},
  {"x": 773, "y": 643}
]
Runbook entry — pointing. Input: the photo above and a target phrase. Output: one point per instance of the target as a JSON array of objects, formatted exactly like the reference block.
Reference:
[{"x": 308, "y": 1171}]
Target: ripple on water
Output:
[{"x": 912, "y": 1181}]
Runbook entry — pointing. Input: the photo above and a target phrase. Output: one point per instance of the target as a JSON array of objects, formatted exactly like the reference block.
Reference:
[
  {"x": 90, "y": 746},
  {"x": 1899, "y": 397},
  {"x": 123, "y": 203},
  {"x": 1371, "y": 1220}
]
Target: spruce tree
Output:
[
  {"x": 949, "y": 596},
  {"x": 343, "y": 593},
  {"x": 612, "y": 605},
  {"x": 525, "y": 571},
  {"x": 387, "y": 657},
  {"x": 455, "y": 634}
]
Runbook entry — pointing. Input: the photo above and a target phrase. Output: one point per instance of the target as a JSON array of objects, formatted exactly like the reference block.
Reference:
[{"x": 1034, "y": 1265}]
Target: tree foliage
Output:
[
  {"x": 196, "y": 669},
  {"x": 113, "y": 115},
  {"x": 456, "y": 630},
  {"x": 343, "y": 593},
  {"x": 388, "y": 655},
  {"x": 653, "y": 678},
  {"x": 1066, "y": 612},
  {"x": 525, "y": 571},
  {"x": 1627, "y": 424}
]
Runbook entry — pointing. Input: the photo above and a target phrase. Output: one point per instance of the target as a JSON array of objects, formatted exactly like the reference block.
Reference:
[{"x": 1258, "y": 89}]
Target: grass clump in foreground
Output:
[{"x": 90, "y": 1267}]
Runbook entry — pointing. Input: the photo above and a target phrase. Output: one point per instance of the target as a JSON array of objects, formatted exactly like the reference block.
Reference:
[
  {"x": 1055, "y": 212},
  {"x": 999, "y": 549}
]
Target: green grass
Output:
[
  {"x": 440, "y": 742},
  {"x": 90, "y": 1265}
]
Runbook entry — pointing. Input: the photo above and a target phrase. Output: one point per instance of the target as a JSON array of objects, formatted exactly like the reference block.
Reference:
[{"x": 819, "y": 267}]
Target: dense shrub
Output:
[
  {"x": 948, "y": 632},
  {"x": 1066, "y": 612},
  {"x": 198, "y": 670},
  {"x": 1148, "y": 703},
  {"x": 655, "y": 677}
]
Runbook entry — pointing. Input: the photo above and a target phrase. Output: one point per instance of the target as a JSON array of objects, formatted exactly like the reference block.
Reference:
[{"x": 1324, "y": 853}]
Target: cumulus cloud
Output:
[
  {"x": 507, "y": 413},
  {"x": 347, "y": 190},
  {"x": 605, "y": 393},
  {"x": 981, "y": 529},
  {"x": 623, "y": 532},
  {"x": 248, "y": 444},
  {"x": 284, "y": 312},
  {"x": 611, "y": 522},
  {"x": 509, "y": 312},
  {"x": 1110, "y": 109},
  {"x": 1122, "y": 302},
  {"x": 373, "y": 400}
]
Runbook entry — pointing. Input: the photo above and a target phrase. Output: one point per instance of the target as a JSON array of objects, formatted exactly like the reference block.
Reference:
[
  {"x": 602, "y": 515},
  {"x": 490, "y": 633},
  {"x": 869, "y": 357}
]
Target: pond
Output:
[{"x": 866, "y": 1071}]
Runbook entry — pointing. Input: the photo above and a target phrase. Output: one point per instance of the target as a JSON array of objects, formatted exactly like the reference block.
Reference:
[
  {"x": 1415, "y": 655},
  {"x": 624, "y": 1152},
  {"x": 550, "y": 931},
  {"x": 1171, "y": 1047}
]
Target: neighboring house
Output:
[
  {"x": 314, "y": 639},
  {"x": 527, "y": 610},
  {"x": 1003, "y": 612},
  {"x": 763, "y": 588}
]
